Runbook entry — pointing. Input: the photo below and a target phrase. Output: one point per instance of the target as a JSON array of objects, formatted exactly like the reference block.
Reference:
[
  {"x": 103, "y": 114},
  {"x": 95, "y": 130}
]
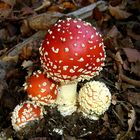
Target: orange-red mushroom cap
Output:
[
  {"x": 72, "y": 50},
  {"x": 41, "y": 89},
  {"x": 25, "y": 113}
]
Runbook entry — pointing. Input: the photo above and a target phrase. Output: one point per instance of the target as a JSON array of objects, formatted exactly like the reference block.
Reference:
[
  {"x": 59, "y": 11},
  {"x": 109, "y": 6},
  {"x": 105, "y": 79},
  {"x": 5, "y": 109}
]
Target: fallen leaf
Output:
[
  {"x": 132, "y": 118},
  {"x": 133, "y": 34},
  {"x": 43, "y": 21},
  {"x": 6, "y": 7},
  {"x": 114, "y": 32},
  {"x": 10, "y": 2},
  {"x": 133, "y": 55},
  {"x": 10, "y": 58},
  {"x": 111, "y": 39},
  {"x": 27, "y": 64},
  {"x": 126, "y": 65},
  {"x": 115, "y": 2},
  {"x": 5, "y": 10},
  {"x": 118, "y": 13},
  {"x": 69, "y": 5},
  {"x": 27, "y": 11},
  {"x": 133, "y": 98},
  {"x": 26, "y": 51},
  {"x": 135, "y": 68},
  {"x": 126, "y": 42}
]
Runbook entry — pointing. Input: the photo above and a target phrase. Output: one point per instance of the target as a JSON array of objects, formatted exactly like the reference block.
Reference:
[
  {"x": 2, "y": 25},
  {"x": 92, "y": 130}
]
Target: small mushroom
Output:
[
  {"x": 72, "y": 51},
  {"x": 94, "y": 99},
  {"x": 41, "y": 89},
  {"x": 25, "y": 113}
]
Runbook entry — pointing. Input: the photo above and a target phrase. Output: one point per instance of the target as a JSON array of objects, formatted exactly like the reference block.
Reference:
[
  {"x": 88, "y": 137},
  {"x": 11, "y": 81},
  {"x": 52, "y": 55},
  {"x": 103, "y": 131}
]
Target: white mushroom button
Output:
[{"x": 94, "y": 99}]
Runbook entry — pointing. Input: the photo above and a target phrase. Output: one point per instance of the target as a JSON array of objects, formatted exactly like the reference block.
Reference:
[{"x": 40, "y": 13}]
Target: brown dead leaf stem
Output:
[{"x": 122, "y": 76}]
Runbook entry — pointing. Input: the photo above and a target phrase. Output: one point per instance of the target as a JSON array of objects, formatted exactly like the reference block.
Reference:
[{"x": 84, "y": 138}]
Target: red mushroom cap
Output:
[
  {"x": 72, "y": 50},
  {"x": 40, "y": 88},
  {"x": 25, "y": 113}
]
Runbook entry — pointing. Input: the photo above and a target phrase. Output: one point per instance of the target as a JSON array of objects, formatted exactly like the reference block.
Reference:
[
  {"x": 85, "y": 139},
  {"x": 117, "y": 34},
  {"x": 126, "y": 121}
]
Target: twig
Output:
[
  {"x": 129, "y": 80},
  {"x": 86, "y": 11}
]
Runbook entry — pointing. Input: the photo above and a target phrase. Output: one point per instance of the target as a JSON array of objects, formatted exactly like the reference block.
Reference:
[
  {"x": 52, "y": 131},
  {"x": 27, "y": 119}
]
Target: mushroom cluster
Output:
[
  {"x": 41, "y": 91},
  {"x": 72, "y": 51}
]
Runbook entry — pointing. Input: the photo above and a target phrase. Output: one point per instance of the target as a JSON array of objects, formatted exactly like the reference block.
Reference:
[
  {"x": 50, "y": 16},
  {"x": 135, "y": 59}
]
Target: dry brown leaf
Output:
[
  {"x": 132, "y": 34},
  {"x": 118, "y": 13},
  {"x": 126, "y": 65},
  {"x": 114, "y": 32},
  {"x": 5, "y": 10},
  {"x": 10, "y": 2},
  {"x": 135, "y": 68},
  {"x": 44, "y": 21},
  {"x": 10, "y": 58},
  {"x": 133, "y": 98},
  {"x": 69, "y": 5},
  {"x": 6, "y": 7},
  {"x": 131, "y": 121},
  {"x": 27, "y": 11},
  {"x": 26, "y": 52},
  {"x": 127, "y": 42},
  {"x": 115, "y": 2},
  {"x": 132, "y": 118},
  {"x": 25, "y": 29},
  {"x": 133, "y": 55},
  {"x": 111, "y": 40}
]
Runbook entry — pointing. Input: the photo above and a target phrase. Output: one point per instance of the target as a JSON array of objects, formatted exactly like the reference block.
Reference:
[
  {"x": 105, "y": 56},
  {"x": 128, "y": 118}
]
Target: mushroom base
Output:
[{"x": 66, "y": 99}]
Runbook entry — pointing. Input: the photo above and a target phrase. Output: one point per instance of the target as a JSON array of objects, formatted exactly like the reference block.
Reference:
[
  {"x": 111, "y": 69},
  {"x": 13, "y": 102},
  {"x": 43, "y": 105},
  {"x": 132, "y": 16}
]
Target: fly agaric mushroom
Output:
[
  {"x": 94, "y": 99},
  {"x": 72, "y": 51},
  {"x": 24, "y": 113},
  {"x": 41, "y": 89}
]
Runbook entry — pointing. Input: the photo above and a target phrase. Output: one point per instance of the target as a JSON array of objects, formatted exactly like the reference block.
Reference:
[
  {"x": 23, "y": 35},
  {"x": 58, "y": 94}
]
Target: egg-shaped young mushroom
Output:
[
  {"x": 72, "y": 51},
  {"x": 94, "y": 99},
  {"x": 41, "y": 89},
  {"x": 25, "y": 113}
]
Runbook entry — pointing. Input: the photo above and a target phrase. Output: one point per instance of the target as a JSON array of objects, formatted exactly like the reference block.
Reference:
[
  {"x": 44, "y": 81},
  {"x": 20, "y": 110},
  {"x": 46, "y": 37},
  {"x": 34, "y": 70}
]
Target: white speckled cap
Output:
[{"x": 94, "y": 99}]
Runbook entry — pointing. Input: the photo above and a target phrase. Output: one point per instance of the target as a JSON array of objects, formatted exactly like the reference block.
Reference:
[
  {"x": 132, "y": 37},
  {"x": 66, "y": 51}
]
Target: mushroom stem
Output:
[{"x": 66, "y": 99}]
